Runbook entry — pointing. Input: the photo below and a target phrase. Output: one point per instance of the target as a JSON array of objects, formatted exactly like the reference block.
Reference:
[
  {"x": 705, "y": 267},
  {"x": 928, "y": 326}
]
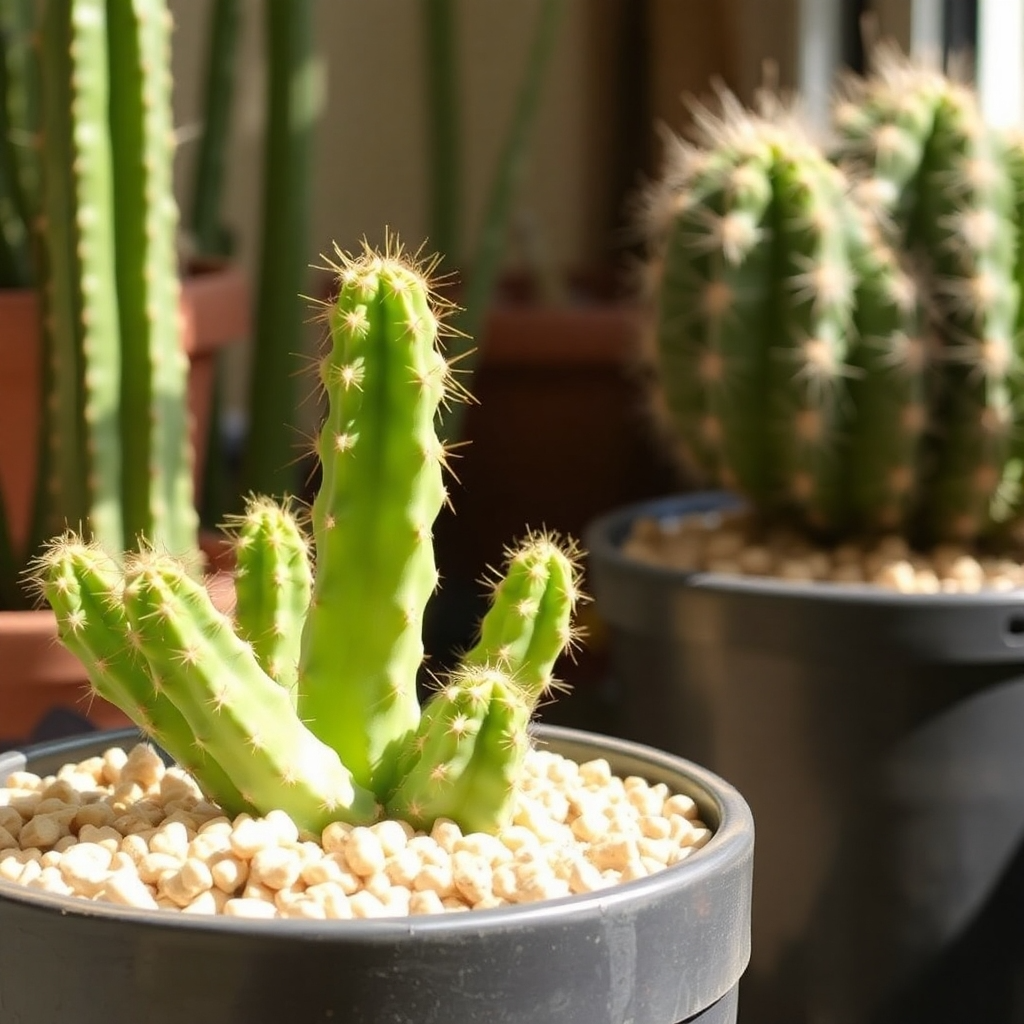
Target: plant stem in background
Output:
[
  {"x": 208, "y": 233},
  {"x": 294, "y": 101},
  {"x": 81, "y": 324},
  {"x": 18, "y": 170},
  {"x": 156, "y": 472},
  {"x": 440, "y": 33},
  {"x": 486, "y": 262}
]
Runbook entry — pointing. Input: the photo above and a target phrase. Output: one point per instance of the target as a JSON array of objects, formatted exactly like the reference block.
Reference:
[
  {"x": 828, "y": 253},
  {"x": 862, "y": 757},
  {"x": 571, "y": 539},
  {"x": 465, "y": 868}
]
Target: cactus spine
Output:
[{"x": 343, "y": 737}]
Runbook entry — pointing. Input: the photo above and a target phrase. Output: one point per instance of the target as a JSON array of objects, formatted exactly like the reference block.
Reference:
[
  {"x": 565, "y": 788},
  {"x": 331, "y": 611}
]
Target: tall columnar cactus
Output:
[
  {"x": 114, "y": 456},
  {"x": 918, "y": 150},
  {"x": 770, "y": 288},
  {"x": 308, "y": 701}
]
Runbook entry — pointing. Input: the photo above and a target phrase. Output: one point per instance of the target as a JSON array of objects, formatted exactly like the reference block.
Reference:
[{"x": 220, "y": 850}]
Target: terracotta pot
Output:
[{"x": 36, "y": 674}]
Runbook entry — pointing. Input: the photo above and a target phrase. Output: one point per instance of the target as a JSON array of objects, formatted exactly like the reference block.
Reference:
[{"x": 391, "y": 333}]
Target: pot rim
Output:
[
  {"x": 731, "y": 842},
  {"x": 603, "y": 537}
]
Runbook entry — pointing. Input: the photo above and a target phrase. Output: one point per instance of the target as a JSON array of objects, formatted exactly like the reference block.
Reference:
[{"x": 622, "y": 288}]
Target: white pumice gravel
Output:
[
  {"x": 728, "y": 544},
  {"x": 125, "y": 829}
]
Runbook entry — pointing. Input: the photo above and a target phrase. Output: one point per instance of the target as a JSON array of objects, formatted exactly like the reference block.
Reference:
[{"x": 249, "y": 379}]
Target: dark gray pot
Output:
[
  {"x": 880, "y": 741},
  {"x": 660, "y": 950}
]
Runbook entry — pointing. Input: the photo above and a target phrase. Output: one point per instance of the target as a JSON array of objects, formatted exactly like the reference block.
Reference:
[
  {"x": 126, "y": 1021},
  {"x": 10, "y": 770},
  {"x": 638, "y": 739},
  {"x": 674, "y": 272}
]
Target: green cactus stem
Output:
[
  {"x": 157, "y": 492},
  {"x": 80, "y": 301},
  {"x": 239, "y": 717},
  {"x": 470, "y": 746},
  {"x": 529, "y": 622},
  {"x": 273, "y": 583},
  {"x": 382, "y": 488},
  {"x": 83, "y": 586}
]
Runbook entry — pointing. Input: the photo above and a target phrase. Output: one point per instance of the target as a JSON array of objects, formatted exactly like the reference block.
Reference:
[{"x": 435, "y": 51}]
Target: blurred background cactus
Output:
[
  {"x": 838, "y": 342},
  {"x": 90, "y": 221}
]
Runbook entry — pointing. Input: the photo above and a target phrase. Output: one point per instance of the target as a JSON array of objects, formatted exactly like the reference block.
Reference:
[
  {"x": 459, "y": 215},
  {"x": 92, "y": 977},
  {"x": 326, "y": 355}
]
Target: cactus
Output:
[
  {"x": 837, "y": 340},
  {"x": 918, "y": 150},
  {"x": 755, "y": 244},
  {"x": 114, "y": 453},
  {"x": 273, "y": 584},
  {"x": 308, "y": 702}
]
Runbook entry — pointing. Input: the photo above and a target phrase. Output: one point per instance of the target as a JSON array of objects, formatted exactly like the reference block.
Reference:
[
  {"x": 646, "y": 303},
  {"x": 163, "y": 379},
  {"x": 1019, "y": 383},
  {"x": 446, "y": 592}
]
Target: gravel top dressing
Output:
[
  {"x": 123, "y": 828},
  {"x": 730, "y": 544}
]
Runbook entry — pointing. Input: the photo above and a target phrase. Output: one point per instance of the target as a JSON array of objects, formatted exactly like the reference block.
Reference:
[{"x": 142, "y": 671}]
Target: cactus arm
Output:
[
  {"x": 888, "y": 362},
  {"x": 273, "y": 583},
  {"x": 293, "y": 106},
  {"x": 83, "y": 587},
  {"x": 80, "y": 304},
  {"x": 157, "y": 472},
  {"x": 529, "y": 622},
  {"x": 467, "y": 754},
  {"x": 381, "y": 491},
  {"x": 219, "y": 90},
  {"x": 239, "y": 716}
]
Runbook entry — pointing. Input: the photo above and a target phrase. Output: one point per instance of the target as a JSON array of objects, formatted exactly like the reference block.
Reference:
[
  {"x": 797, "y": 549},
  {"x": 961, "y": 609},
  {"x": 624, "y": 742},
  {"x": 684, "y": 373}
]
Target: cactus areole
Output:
[
  {"x": 838, "y": 334},
  {"x": 307, "y": 701}
]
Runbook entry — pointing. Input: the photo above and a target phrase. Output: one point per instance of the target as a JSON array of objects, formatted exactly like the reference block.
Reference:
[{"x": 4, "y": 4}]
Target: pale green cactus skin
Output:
[
  {"x": 156, "y": 467},
  {"x": 343, "y": 738},
  {"x": 85, "y": 589},
  {"x": 273, "y": 585},
  {"x": 529, "y": 623},
  {"x": 470, "y": 745},
  {"x": 382, "y": 489}
]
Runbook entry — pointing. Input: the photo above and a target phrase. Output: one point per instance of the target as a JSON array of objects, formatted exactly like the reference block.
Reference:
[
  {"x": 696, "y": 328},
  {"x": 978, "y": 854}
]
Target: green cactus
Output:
[
  {"x": 273, "y": 583},
  {"x": 382, "y": 489},
  {"x": 468, "y": 748},
  {"x": 85, "y": 589},
  {"x": 754, "y": 269},
  {"x": 838, "y": 339},
  {"x": 353, "y": 742},
  {"x": 918, "y": 150},
  {"x": 97, "y": 188}
]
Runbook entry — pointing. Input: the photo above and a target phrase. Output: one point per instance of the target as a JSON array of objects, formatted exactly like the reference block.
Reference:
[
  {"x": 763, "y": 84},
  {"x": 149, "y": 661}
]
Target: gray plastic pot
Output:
[
  {"x": 879, "y": 739},
  {"x": 660, "y": 950}
]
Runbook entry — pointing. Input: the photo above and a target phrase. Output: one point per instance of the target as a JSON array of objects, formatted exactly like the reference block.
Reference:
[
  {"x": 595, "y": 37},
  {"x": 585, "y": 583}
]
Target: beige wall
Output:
[{"x": 370, "y": 169}]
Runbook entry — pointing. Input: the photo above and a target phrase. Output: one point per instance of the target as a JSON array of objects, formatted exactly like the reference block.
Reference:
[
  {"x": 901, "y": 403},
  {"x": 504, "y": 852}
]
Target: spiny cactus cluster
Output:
[
  {"x": 838, "y": 333},
  {"x": 87, "y": 214},
  {"x": 307, "y": 701}
]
